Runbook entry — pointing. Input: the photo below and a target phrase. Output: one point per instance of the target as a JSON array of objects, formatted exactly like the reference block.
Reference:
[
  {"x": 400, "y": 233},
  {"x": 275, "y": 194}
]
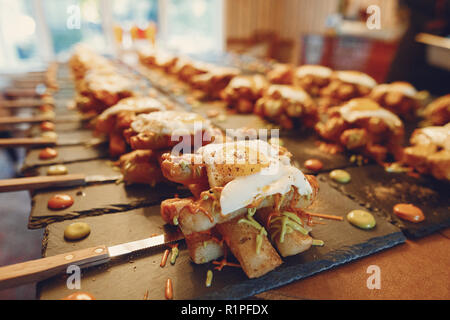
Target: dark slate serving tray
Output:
[
  {"x": 66, "y": 154},
  {"x": 378, "y": 190},
  {"x": 131, "y": 277},
  {"x": 303, "y": 146},
  {"x": 97, "y": 199}
]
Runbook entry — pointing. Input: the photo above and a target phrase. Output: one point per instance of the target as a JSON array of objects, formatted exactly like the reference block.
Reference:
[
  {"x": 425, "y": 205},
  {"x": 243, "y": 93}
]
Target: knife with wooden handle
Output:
[
  {"x": 26, "y": 142},
  {"x": 41, "y": 269},
  {"x": 31, "y": 183},
  {"x": 23, "y": 103},
  {"x": 38, "y": 91},
  {"x": 42, "y": 182},
  {"x": 19, "y": 120}
]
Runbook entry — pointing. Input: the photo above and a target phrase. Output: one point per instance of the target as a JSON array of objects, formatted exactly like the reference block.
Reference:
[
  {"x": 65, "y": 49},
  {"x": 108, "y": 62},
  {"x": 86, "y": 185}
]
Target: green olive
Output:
[
  {"x": 340, "y": 176},
  {"x": 77, "y": 231},
  {"x": 361, "y": 219}
]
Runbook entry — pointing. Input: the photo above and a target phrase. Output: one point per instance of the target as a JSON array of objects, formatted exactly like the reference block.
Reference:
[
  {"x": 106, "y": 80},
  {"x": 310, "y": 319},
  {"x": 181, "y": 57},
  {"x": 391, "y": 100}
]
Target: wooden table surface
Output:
[{"x": 418, "y": 269}]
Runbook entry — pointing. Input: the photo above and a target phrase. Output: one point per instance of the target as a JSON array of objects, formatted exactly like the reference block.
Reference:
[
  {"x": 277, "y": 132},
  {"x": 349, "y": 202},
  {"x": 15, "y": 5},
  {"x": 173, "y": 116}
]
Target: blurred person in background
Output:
[{"x": 410, "y": 62}]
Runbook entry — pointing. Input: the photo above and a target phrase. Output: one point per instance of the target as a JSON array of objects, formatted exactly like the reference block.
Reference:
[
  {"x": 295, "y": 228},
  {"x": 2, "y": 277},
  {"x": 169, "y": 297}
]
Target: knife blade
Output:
[
  {"x": 41, "y": 269},
  {"x": 42, "y": 182}
]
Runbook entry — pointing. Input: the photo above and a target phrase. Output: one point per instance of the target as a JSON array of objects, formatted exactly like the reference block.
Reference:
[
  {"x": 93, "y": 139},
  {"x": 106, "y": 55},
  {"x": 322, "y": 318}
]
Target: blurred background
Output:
[
  {"x": 334, "y": 33},
  {"x": 327, "y": 32}
]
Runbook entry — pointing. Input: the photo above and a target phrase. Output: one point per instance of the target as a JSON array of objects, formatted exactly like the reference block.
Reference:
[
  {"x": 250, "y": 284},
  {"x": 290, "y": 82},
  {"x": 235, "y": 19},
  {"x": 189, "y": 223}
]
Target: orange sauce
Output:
[
  {"x": 60, "y": 201},
  {"x": 169, "y": 289},
  {"x": 47, "y": 126},
  {"x": 313, "y": 164},
  {"x": 48, "y": 153},
  {"x": 407, "y": 211},
  {"x": 164, "y": 258}
]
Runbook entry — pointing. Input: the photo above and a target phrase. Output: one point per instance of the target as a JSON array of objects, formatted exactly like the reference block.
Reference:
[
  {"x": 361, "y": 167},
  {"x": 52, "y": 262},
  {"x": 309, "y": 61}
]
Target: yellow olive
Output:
[
  {"x": 50, "y": 135},
  {"x": 77, "y": 231},
  {"x": 57, "y": 170}
]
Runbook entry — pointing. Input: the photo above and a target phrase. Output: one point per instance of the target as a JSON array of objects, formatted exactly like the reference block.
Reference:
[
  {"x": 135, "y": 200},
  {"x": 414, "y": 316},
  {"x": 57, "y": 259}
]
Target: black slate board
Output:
[
  {"x": 97, "y": 199},
  {"x": 130, "y": 278},
  {"x": 379, "y": 190},
  {"x": 66, "y": 154},
  {"x": 303, "y": 146}
]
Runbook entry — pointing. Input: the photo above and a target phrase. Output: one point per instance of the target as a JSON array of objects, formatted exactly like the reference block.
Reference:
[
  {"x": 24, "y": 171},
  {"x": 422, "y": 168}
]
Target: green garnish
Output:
[
  {"x": 316, "y": 242},
  {"x": 174, "y": 255}
]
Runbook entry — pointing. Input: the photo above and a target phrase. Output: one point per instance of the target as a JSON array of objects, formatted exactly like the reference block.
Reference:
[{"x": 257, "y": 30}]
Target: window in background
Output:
[
  {"x": 139, "y": 12},
  {"x": 134, "y": 19},
  {"x": 90, "y": 30},
  {"x": 194, "y": 26},
  {"x": 18, "y": 41}
]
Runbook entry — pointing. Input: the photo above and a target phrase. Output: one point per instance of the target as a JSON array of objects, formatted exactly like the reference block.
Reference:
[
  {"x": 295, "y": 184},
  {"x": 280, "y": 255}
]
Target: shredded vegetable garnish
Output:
[
  {"x": 198, "y": 170},
  {"x": 174, "y": 255},
  {"x": 251, "y": 211},
  {"x": 209, "y": 277},
  {"x": 164, "y": 258},
  {"x": 169, "y": 289},
  {"x": 223, "y": 263},
  {"x": 325, "y": 216},
  {"x": 252, "y": 222},
  {"x": 285, "y": 223},
  {"x": 319, "y": 243}
]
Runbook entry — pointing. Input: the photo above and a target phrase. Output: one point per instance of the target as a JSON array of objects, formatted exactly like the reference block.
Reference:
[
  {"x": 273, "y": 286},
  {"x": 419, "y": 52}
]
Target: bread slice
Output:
[{"x": 241, "y": 239}]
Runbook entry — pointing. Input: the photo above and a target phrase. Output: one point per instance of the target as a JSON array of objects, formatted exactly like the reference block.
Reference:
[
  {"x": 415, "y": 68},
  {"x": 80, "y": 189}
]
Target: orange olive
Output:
[
  {"x": 313, "y": 164},
  {"x": 60, "y": 201},
  {"x": 46, "y": 107},
  {"x": 47, "y": 126},
  {"x": 409, "y": 212},
  {"x": 48, "y": 153},
  {"x": 80, "y": 296}
]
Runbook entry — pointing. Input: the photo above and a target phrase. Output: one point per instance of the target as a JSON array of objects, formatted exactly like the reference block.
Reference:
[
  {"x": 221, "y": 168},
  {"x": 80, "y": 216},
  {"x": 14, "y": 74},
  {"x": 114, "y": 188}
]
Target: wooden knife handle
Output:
[
  {"x": 18, "y": 120},
  {"x": 22, "y": 103},
  {"x": 25, "y": 142},
  {"x": 31, "y": 183},
  {"x": 41, "y": 269}
]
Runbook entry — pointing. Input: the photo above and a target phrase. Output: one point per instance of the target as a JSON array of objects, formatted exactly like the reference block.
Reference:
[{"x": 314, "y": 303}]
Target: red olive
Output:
[
  {"x": 60, "y": 201},
  {"x": 409, "y": 212},
  {"x": 47, "y": 126},
  {"x": 313, "y": 164},
  {"x": 48, "y": 153}
]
